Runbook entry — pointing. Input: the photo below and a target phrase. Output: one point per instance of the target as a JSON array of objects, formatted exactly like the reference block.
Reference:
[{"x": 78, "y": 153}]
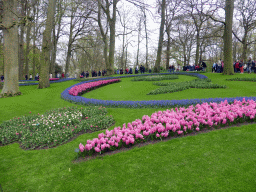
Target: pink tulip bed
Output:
[
  {"x": 54, "y": 79},
  {"x": 169, "y": 123},
  {"x": 80, "y": 89}
]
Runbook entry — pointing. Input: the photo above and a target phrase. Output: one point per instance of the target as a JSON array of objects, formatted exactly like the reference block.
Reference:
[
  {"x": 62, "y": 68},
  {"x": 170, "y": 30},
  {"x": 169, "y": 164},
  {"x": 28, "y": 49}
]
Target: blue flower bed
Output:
[
  {"x": 57, "y": 81},
  {"x": 144, "y": 104}
]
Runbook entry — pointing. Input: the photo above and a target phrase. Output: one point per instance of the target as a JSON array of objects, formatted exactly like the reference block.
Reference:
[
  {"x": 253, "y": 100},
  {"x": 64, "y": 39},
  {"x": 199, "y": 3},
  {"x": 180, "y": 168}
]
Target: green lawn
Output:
[{"x": 221, "y": 160}]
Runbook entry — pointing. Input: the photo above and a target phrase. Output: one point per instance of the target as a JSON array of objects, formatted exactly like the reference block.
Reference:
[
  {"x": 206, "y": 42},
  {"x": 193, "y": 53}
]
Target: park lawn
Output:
[{"x": 220, "y": 160}]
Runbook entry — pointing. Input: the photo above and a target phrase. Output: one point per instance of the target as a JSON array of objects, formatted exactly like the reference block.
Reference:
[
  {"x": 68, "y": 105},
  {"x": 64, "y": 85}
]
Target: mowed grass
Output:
[{"x": 221, "y": 160}]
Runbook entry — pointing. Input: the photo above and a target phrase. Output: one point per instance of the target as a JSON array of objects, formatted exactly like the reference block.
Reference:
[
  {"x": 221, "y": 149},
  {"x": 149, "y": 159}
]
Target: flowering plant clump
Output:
[
  {"x": 80, "y": 89},
  {"x": 155, "y": 78},
  {"x": 180, "y": 86},
  {"x": 32, "y": 82},
  {"x": 54, "y": 79},
  {"x": 242, "y": 79},
  {"x": 54, "y": 127},
  {"x": 178, "y": 121}
]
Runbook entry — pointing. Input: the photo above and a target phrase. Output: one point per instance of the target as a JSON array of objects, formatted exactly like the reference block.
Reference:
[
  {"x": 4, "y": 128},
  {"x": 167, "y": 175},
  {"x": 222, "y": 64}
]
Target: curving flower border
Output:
[
  {"x": 145, "y": 103},
  {"x": 51, "y": 81},
  {"x": 172, "y": 122}
]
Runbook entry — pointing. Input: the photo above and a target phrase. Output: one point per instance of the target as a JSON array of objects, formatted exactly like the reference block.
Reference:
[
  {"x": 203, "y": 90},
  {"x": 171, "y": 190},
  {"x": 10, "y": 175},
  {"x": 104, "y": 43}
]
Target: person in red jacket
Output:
[
  {"x": 62, "y": 75},
  {"x": 241, "y": 66},
  {"x": 237, "y": 68}
]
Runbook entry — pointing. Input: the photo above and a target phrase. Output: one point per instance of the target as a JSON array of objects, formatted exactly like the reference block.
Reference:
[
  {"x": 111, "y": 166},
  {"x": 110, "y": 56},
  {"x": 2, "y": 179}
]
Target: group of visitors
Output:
[
  {"x": 171, "y": 68},
  {"x": 126, "y": 71},
  {"x": 218, "y": 67},
  {"x": 84, "y": 74},
  {"x": 94, "y": 73},
  {"x": 239, "y": 66}
]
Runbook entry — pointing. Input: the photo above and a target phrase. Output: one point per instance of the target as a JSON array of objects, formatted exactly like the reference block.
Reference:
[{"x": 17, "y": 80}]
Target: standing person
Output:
[
  {"x": 2, "y": 77},
  {"x": 219, "y": 66},
  {"x": 214, "y": 67},
  {"x": 141, "y": 69},
  {"x": 62, "y": 75},
  {"x": 241, "y": 66},
  {"x": 249, "y": 65},
  {"x": 50, "y": 75},
  {"x": 26, "y": 76},
  {"x": 30, "y": 77},
  {"x": 204, "y": 66},
  {"x": 237, "y": 68},
  {"x": 253, "y": 66}
]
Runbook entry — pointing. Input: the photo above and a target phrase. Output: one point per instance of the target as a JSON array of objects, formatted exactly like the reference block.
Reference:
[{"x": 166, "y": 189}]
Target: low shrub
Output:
[
  {"x": 242, "y": 79},
  {"x": 155, "y": 78},
  {"x": 170, "y": 87}
]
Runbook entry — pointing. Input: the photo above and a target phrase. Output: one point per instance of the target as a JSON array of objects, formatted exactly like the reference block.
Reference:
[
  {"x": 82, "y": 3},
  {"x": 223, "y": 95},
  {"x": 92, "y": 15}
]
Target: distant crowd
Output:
[
  {"x": 239, "y": 66},
  {"x": 94, "y": 73}
]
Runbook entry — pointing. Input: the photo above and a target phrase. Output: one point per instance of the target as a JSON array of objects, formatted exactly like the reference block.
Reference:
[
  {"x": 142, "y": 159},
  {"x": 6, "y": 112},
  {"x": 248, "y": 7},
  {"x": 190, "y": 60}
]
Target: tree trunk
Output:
[
  {"x": 161, "y": 38},
  {"x": 146, "y": 33},
  {"x": 126, "y": 55},
  {"x": 11, "y": 51},
  {"x": 57, "y": 36},
  {"x": 68, "y": 58},
  {"x": 105, "y": 40},
  {"x": 27, "y": 48},
  {"x": 234, "y": 51},
  {"x": 228, "y": 60},
  {"x": 112, "y": 25},
  {"x": 21, "y": 52},
  {"x": 46, "y": 45},
  {"x": 244, "y": 53},
  {"x": 53, "y": 53},
  {"x": 138, "y": 47},
  {"x": 168, "y": 47},
  {"x": 197, "y": 47},
  {"x": 35, "y": 14},
  {"x": 123, "y": 48}
]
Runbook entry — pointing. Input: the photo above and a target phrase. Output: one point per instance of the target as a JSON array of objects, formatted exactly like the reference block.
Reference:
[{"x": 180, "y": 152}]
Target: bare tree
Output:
[
  {"x": 23, "y": 4},
  {"x": 173, "y": 7},
  {"x": 78, "y": 24},
  {"x": 61, "y": 8},
  {"x": 111, "y": 24},
  {"x": 46, "y": 45},
  {"x": 161, "y": 37}
]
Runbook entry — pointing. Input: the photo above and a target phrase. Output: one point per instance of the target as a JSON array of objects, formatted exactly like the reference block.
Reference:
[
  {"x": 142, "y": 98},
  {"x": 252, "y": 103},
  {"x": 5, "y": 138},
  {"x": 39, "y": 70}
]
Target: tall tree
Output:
[
  {"x": 46, "y": 46},
  {"x": 23, "y": 4},
  {"x": 228, "y": 54},
  {"x": 11, "y": 60},
  {"x": 28, "y": 38},
  {"x": 172, "y": 8},
  {"x": 61, "y": 8},
  {"x": 111, "y": 22},
  {"x": 161, "y": 38}
]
